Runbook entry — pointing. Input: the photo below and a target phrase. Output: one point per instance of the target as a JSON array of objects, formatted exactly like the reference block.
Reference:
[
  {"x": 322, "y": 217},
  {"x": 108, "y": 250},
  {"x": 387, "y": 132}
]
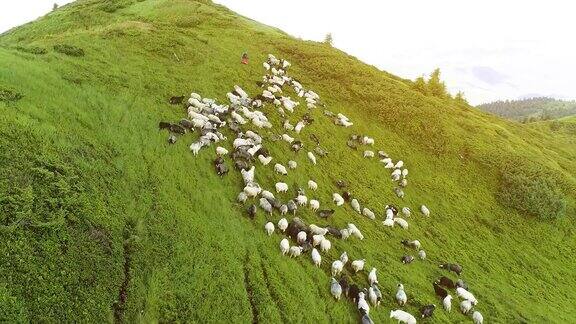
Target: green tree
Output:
[
  {"x": 328, "y": 39},
  {"x": 55, "y": 6},
  {"x": 436, "y": 87},
  {"x": 420, "y": 85},
  {"x": 459, "y": 97}
]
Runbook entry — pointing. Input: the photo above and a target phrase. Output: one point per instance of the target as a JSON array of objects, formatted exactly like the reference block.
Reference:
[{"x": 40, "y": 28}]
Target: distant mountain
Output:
[{"x": 532, "y": 109}]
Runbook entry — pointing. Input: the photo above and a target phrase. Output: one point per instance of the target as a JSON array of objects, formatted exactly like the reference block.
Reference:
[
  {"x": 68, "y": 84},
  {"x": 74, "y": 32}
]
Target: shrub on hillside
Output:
[
  {"x": 9, "y": 95},
  {"x": 32, "y": 50},
  {"x": 69, "y": 50},
  {"x": 533, "y": 191}
]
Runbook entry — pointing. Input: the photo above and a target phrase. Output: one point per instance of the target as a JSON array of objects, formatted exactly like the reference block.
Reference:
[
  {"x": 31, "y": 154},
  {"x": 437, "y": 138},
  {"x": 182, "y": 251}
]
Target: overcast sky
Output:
[{"x": 489, "y": 49}]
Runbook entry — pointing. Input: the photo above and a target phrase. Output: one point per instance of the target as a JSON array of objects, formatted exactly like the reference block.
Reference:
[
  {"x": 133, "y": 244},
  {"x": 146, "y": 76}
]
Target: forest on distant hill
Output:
[{"x": 531, "y": 110}]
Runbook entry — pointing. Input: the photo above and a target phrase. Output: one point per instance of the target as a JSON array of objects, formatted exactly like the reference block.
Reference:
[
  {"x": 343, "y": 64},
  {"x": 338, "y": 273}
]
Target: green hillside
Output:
[
  {"x": 102, "y": 220},
  {"x": 532, "y": 109}
]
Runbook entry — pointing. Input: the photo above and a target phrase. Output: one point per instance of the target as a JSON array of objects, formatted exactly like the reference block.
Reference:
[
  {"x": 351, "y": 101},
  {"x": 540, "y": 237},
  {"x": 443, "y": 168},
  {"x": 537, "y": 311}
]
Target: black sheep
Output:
[
  {"x": 446, "y": 282},
  {"x": 164, "y": 125},
  {"x": 334, "y": 231},
  {"x": 407, "y": 259},
  {"x": 346, "y": 195},
  {"x": 439, "y": 291},
  {"x": 344, "y": 284},
  {"x": 175, "y": 128},
  {"x": 456, "y": 268},
  {"x": 325, "y": 213},
  {"x": 176, "y": 100},
  {"x": 172, "y": 139},
  {"x": 221, "y": 169},
  {"x": 353, "y": 292},
  {"x": 427, "y": 311},
  {"x": 186, "y": 124},
  {"x": 252, "y": 211}
]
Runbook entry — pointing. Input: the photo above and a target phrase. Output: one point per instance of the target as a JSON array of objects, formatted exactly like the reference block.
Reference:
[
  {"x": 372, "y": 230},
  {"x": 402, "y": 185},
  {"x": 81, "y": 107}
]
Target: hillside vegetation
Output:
[
  {"x": 102, "y": 220},
  {"x": 531, "y": 110}
]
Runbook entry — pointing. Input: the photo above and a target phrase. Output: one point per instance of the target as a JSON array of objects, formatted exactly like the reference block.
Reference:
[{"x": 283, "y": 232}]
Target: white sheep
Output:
[
  {"x": 465, "y": 294},
  {"x": 344, "y": 258},
  {"x": 314, "y": 204},
  {"x": 477, "y": 317},
  {"x": 406, "y": 211},
  {"x": 287, "y": 138},
  {"x": 252, "y": 190},
  {"x": 195, "y": 96},
  {"x": 335, "y": 289},
  {"x": 283, "y": 224},
  {"x": 401, "y": 296},
  {"x": 363, "y": 306},
  {"x": 425, "y": 210},
  {"x": 301, "y": 237},
  {"x": 287, "y": 125},
  {"x": 314, "y": 229},
  {"x": 388, "y": 222},
  {"x": 298, "y": 127},
  {"x": 264, "y": 160},
  {"x": 317, "y": 239},
  {"x": 338, "y": 200},
  {"x": 312, "y": 185},
  {"x": 279, "y": 168},
  {"x": 465, "y": 306},
  {"x": 358, "y": 265},
  {"x": 345, "y": 233},
  {"x": 292, "y": 164},
  {"x": 269, "y": 227},
  {"x": 283, "y": 209},
  {"x": 396, "y": 175},
  {"x": 368, "y": 213},
  {"x": 267, "y": 194},
  {"x": 356, "y": 205},
  {"x": 325, "y": 245},
  {"x": 402, "y": 222},
  {"x": 372, "y": 296},
  {"x": 284, "y": 246},
  {"x": 367, "y": 140},
  {"x": 281, "y": 187},
  {"x": 248, "y": 176},
  {"x": 295, "y": 251},
  {"x": 447, "y": 303},
  {"x": 404, "y": 173},
  {"x": 242, "y": 142},
  {"x": 399, "y": 164},
  {"x": 337, "y": 267},
  {"x": 372, "y": 277},
  {"x": 316, "y": 258},
  {"x": 242, "y": 197},
  {"x": 402, "y": 316},
  {"x": 195, "y": 148},
  {"x": 254, "y": 149},
  {"x": 221, "y": 151},
  {"x": 355, "y": 231},
  {"x": 368, "y": 154},
  {"x": 265, "y": 204},
  {"x": 302, "y": 200},
  {"x": 312, "y": 158},
  {"x": 422, "y": 254}
]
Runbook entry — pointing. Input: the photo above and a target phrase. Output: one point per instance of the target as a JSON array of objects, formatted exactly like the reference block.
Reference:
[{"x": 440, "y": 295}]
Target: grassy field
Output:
[{"x": 102, "y": 220}]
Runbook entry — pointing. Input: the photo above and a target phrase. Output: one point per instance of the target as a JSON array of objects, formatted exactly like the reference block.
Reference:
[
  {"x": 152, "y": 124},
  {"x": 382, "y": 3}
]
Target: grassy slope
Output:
[{"x": 96, "y": 181}]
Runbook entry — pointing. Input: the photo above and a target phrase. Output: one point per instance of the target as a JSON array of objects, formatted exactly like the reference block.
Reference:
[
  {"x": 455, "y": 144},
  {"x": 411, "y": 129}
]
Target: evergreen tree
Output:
[
  {"x": 436, "y": 87},
  {"x": 420, "y": 85},
  {"x": 328, "y": 39},
  {"x": 459, "y": 97}
]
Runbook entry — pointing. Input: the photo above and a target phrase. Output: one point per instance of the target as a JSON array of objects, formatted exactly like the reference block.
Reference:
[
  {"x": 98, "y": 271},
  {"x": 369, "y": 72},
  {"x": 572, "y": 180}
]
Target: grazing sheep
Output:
[
  {"x": 325, "y": 213},
  {"x": 345, "y": 287},
  {"x": 447, "y": 303},
  {"x": 292, "y": 207},
  {"x": 292, "y": 164},
  {"x": 358, "y": 265},
  {"x": 346, "y": 195},
  {"x": 446, "y": 282},
  {"x": 338, "y": 200},
  {"x": 465, "y": 306},
  {"x": 317, "y": 239},
  {"x": 402, "y": 316},
  {"x": 312, "y": 185},
  {"x": 355, "y": 231},
  {"x": 353, "y": 292},
  {"x": 279, "y": 168},
  {"x": 265, "y": 204},
  {"x": 301, "y": 238},
  {"x": 287, "y": 138},
  {"x": 372, "y": 279},
  {"x": 395, "y": 175},
  {"x": 428, "y": 310},
  {"x": 406, "y": 211},
  {"x": 337, "y": 267},
  {"x": 314, "y": 229},
  {"x": 404, "y": 173},
  {"x": 406, "y": 259},
  {"x": 363, "y": 306},
  {"x": 404, "y": 183},
  {"x": 477, "y": 317},
  {"x": 242, "y": 197},
  {"x": 312, "y": 158},
  {"x": 399, "y": 164},
  {"x": 283, "y": 210},
  {"x": 252, "y": 211},
  {"x": 439, "y": 291},
  {"x": 399, "y": 192},
  {"x": 316, "y": 258},
  {"x": 355, "y": 205},
  {"x": 411, "y": 244},
  {"x": 252, "y": 190},
  {"x": 267, "y": 194},
  {"x": 281, "y": 187},
  {"x": 424, "y": 210},
  {"x": 284, "y": 246},
  {"x": 335, "y": 289},
  {"x": 221, "y": 151},
  {"x": 345, "y": 233},
  {"x": 264, "y": 160},
  {"x": 269, "y": 227},
  {"x": 465, "y": 294},
  {"x": 422, "y": 254},
  {"x": 298, "y": 127},
  {"x": 456, "y": 268},
  {"x": 368, "y": 154},
  {"x": 283, "y": 224},
  {"x": 295, "y": 251},
  {"x": 314, "y": 204},
  {"x": 401, "y": 297},
  {"x": 325, "y": 245},
  {"x": 366, "y": 319},
  {"x": 388, "y": 222},
  {"x": 461, "y": 283},
  {"x": 402, "y": 222},
  {"x": 378, "y": 294},
  {"x": 367, "y": 140},
  {"x": 344, "y": 258},
  {"x": 372, "y": 296},
  {"x": 368, "y": 213}
]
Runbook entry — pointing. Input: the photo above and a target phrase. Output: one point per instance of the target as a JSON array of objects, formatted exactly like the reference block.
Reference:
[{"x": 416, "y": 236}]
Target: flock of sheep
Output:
[{"x": 249, "y": 149}]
